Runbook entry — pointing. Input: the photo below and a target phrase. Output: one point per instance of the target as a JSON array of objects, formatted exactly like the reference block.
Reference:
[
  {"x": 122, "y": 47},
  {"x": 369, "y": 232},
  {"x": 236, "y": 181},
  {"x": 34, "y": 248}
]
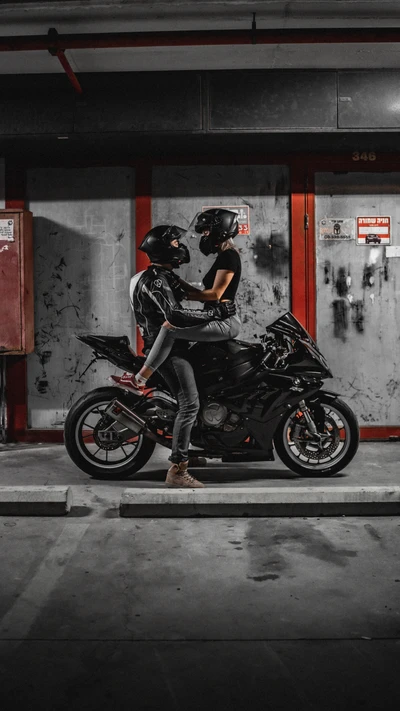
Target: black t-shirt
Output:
[{"x": 228, "y": 259}]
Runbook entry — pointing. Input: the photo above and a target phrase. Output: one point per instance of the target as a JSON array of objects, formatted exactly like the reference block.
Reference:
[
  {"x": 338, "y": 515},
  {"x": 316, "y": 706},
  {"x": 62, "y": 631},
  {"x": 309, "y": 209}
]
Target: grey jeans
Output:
[
  {"x": 208, "y": 332},
  {"x": 179, "y": 376}
]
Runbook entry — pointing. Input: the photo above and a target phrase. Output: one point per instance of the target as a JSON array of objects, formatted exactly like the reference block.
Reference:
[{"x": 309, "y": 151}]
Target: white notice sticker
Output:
[
  {"x": 7, "y": 230},
  {"x": 393, "y": 251}
]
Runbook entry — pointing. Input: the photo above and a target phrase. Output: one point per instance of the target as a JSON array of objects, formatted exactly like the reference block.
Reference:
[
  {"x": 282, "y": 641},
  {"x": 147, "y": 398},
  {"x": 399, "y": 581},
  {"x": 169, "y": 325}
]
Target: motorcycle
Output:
[{"x": 255, "y": 397}]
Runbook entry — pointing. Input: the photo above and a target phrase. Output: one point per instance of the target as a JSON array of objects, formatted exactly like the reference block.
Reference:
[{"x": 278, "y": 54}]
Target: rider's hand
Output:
[{"x": 224, "y": 310}]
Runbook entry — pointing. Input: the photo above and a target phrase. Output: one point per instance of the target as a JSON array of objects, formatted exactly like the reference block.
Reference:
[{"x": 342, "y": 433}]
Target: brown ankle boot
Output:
[{"x": 178, "y": 475}]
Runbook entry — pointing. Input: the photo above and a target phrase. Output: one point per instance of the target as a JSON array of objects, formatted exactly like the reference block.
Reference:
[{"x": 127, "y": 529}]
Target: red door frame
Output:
[{"x": 303, "y": 279}]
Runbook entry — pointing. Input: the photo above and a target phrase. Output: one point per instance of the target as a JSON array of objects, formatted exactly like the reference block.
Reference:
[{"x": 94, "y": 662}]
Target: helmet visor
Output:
[{"x": 191, "y": 232}]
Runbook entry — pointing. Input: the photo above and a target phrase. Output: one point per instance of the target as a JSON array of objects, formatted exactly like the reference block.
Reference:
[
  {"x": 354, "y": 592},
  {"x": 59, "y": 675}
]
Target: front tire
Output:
[
  {"x": 298, "y": 449},
  {"x": 85, "y": 424}
]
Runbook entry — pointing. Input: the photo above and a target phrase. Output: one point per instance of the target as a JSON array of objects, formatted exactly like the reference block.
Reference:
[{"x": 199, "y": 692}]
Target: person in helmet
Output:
[
  {"x": 156, "y": 295},
  {"x": 217, "y": 227}
]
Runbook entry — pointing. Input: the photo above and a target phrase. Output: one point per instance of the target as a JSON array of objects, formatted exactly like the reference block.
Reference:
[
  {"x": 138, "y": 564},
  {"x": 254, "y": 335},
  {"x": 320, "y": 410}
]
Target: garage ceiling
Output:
[{"x": 104, "y": 16}]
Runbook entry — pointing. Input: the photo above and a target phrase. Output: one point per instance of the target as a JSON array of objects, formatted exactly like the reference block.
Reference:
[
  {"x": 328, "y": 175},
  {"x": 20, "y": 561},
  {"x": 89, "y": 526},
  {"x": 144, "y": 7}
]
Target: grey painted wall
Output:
[
  {"x": 180, "y": 192},
  {"x": 83, "y": 227},
  {"x": 358, "y": 322}
]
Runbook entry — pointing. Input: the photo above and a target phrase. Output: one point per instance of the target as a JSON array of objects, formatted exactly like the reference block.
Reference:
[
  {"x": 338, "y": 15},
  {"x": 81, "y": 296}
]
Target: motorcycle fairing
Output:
[{"x": 290, "y": 326}]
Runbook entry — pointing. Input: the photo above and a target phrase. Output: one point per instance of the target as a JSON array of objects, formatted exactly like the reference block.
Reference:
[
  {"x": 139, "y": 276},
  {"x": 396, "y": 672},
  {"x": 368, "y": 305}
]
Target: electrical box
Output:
[{"x": 16, "y": 282}]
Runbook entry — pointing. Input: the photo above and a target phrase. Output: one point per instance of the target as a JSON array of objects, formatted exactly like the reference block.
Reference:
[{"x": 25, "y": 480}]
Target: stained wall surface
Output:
[
  {"x": 358, "y": 320},
  {"x": 180, "y": 192},
  {"x": 83, "y": 261}
]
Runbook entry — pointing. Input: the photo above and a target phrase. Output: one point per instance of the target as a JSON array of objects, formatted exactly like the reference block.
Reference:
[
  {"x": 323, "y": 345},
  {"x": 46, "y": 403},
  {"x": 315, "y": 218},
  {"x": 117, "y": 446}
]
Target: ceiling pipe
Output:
[
  {"x": 69, "y": 71},
  {"x": 56, "y": 51},
  {"x": 201, "y": 38}
]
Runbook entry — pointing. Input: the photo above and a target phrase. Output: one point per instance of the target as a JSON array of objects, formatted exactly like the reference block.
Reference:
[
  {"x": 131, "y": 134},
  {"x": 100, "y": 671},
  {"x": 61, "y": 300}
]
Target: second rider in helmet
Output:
[{"x": 217, "y": 227}]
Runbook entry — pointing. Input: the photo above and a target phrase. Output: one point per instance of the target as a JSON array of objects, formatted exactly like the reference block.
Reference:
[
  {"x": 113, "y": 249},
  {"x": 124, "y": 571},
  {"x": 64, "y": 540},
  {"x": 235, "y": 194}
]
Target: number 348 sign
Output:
[{"x": 363, "y": 155}]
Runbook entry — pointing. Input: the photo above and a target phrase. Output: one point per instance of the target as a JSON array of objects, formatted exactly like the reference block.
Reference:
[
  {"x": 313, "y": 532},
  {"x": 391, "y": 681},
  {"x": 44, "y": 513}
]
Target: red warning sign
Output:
[{"x": 373, "y": 230}]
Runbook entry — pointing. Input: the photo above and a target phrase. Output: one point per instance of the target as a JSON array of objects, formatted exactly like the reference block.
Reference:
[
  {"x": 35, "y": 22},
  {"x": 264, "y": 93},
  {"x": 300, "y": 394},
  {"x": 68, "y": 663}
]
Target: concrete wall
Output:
[
  {"x": 83, "y": 227},
  {"x": 358, "y": 319},
  {"x": 180, "y": 192}
]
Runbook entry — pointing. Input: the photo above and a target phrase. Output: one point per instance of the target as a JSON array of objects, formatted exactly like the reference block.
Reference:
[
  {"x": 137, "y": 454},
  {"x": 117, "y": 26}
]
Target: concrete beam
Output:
[
  {"x": 35, "y": 500},
  {"x": 271, "y": 501}
]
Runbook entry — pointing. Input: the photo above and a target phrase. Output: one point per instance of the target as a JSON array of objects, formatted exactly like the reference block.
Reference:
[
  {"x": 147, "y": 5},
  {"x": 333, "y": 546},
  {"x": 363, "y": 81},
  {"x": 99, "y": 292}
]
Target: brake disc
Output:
[{"x": 306, "y": 443}]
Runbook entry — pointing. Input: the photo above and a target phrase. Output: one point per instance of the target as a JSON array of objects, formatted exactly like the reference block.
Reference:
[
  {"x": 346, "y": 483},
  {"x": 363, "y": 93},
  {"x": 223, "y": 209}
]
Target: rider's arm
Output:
[{"x": 161, "y": 293}]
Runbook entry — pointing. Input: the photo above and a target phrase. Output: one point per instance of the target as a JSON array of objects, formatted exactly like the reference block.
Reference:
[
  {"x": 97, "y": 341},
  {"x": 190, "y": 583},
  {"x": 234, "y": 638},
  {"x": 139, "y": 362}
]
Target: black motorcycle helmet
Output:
[
  {"x": 157, "y": 245},
  {"x": 222, "y": 225}
]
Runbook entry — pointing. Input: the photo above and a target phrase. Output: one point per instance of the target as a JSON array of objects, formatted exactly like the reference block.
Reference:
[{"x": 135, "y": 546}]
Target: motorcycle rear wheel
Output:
[
  {"x": 82, "y": 436},
  {"x": 299, "y": 452}
]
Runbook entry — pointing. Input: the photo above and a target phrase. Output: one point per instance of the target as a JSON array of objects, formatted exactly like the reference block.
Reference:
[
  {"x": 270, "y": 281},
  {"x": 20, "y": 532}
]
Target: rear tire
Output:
[
  {"x": 340, "y": 448},
  {"x": 79, "y": 450}
]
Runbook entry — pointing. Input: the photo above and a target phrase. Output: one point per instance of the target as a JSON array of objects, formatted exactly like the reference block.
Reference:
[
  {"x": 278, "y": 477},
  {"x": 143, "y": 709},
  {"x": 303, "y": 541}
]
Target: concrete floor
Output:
[{"x": 102, "y": 612}]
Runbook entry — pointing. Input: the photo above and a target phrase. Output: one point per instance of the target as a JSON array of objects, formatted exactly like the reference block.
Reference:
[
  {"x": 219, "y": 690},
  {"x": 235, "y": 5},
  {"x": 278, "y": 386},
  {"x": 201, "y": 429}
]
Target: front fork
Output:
[
  {"x": 307, "y": 416},
  {"x": 319, "y": 417}
]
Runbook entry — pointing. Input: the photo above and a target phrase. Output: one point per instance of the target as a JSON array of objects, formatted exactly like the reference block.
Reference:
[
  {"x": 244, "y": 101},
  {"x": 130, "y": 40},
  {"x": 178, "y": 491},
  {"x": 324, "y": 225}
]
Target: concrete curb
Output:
[
  {"x": 268, "y": 501},
  {"x": 35, "y": 500}
]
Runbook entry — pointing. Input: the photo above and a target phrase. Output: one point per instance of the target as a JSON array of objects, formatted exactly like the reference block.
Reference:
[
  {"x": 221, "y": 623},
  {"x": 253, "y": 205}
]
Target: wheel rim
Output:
[
  {"x": 102, "y": 449},
  {"x": 303, "y": 449}
]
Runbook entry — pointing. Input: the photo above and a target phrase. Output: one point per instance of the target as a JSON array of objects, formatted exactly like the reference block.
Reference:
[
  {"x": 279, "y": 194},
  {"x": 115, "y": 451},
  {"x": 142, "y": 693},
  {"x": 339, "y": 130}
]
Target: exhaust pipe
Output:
[{"x": 135, "y": 424}]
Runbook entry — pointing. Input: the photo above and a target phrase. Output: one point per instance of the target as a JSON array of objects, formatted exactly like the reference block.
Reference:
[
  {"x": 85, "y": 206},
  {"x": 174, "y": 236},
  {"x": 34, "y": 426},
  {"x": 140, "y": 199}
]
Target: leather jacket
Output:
[{"x": 155, "y": 296}]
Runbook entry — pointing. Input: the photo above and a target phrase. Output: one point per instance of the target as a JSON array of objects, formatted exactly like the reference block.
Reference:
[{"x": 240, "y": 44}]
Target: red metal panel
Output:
[
  {"x": 311, "y": 281},
  {"x": 16, "y": 372},
  {"x": 143, "y": 222},
  {"x": 367, "y": 433},
  {"x": 16, "y": 285},
  {"x": 10, "y": 288},
  {"x": 299, "y": 251}
]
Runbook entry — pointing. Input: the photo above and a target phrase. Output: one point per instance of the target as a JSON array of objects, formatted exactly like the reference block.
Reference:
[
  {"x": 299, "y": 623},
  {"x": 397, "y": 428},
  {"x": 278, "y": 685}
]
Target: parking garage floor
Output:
[{"x": 97, "y": 611}]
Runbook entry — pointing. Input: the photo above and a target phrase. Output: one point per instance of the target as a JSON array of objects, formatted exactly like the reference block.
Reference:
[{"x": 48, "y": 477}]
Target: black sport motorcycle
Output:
[{"x": 254, "y": 397}]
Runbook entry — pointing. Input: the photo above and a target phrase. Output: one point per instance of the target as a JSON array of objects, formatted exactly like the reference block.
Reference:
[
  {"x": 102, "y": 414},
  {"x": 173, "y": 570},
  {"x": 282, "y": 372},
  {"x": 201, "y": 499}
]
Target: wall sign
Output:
[
  {"x": 373, "y": 231},
  {"x": 7, "y": 230},
  {"x": 243, "y": 213},
  {"x": 393, "y": 251},
  {"x": 340, "y": 229}
]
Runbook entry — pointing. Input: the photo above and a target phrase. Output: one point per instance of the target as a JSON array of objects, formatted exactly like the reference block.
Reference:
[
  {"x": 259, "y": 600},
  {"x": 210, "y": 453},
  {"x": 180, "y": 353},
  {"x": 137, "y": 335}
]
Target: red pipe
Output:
[
  {"x": 69, "y": 71},
  {"x": 201, "y": 37}
]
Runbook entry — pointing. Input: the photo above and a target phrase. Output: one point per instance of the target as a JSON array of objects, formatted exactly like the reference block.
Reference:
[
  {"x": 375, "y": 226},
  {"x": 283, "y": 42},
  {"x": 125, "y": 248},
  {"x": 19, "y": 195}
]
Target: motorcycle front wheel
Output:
[
  {"x": 325, "y": 454},
  {"x": 97, "y": 444}
]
